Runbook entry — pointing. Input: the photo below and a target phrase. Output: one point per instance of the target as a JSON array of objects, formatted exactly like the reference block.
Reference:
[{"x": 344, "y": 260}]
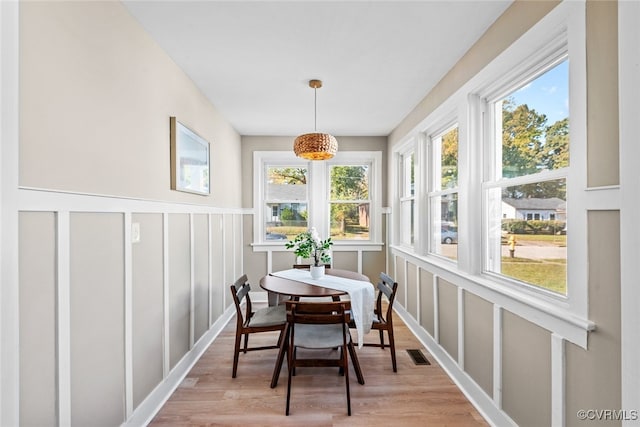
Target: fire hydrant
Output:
[{"x": 512, "y": 245}]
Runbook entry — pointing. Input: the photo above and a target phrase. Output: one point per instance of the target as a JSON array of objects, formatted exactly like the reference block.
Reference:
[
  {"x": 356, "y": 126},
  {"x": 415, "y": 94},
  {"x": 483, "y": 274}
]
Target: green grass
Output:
[
  {"x": 547, "y": 273},
  {"x": 351, "y": 232},
  {"x": 558, "y": 240}
]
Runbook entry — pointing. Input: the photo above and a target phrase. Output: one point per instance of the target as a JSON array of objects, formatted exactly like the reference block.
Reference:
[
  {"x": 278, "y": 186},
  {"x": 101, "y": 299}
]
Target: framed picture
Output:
[{"x": 189, "y": 160}]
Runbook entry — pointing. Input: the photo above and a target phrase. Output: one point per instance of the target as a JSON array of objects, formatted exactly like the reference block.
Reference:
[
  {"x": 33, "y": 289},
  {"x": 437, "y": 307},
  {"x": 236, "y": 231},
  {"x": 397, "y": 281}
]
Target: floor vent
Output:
[{"x": 418, "y": 358}]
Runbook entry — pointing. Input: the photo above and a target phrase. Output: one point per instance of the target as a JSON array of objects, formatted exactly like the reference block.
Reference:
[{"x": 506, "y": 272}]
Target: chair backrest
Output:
[
  {"x": 318, "y": 313},
  {"x": 387, "y": 287},
  {"x": 239, "y": 291}
]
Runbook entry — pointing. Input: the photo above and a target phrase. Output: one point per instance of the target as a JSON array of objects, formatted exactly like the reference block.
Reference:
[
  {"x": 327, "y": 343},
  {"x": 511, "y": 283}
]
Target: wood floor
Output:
[{"x": 417, "y": 395}]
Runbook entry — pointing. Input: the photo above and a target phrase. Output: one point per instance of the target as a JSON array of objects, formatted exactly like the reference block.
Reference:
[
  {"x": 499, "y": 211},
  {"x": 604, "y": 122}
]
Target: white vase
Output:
[{"x": 316, "y": 272}]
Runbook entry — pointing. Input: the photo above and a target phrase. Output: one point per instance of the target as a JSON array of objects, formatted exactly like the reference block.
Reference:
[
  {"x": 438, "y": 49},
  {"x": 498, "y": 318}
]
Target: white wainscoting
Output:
[{"x": 63, "y": 205}]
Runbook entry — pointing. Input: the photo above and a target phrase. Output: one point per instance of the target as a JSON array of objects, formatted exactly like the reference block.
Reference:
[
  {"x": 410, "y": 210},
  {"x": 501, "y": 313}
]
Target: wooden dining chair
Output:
[
  {"x": 383, "y": 320},
  {"x": 266, "y": 319},
  {"x": 320, "y": 326}
]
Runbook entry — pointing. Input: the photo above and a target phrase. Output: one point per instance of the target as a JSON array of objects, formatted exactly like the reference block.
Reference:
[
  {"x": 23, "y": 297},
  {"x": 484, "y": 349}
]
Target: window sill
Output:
[
  {"x": 338, "y": 246},
  {"x": 553, "y": 315}
]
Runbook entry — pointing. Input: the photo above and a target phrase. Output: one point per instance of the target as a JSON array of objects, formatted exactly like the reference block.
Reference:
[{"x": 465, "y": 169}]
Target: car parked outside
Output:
[
  {"x": 276, "y": 236},
  {"x": 448, "y": 236}
]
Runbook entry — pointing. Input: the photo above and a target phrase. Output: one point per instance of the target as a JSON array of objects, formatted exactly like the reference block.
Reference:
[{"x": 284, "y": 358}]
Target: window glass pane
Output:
[
  {"x": 535, "y": 124},
  {"x": 534, "y": 234},
  {"x": 286, "y": 202},
  {"x": 409, "y": 176},
  {"x": 448, "y": 160},
  {"x": 350, "y": 220},
  {"x": 286, "y": 220},
  {"x": 407, "y": 212},
  {"x": 349, "y": 204},
  {"x": 444, "y": 239},
  {"x": 286, "y": 183},
  {"x": 349, "y": 182}
]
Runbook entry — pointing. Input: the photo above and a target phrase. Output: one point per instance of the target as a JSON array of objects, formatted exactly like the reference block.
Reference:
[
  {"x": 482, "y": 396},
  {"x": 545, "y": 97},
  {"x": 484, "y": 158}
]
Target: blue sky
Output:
[{"x": 548, "y": 94}]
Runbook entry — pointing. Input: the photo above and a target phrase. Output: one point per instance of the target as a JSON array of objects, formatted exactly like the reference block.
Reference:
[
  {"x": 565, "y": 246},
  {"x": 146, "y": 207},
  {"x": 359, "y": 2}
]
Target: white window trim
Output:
[
  {"x": 549, "y": 53},
  {"x": 433, "y": 176},
  {"x": 407, "y": 150},
  {"x": 629, "y": 91},
  {"x": 566, "y": 316},
  {"x": 318, "y": 193}
]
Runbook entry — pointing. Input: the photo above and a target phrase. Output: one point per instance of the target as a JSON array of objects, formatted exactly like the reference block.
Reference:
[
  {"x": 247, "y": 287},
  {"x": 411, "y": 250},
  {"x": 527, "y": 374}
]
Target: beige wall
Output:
[
  {"x": 601, "y": 387},
  {"x": 97, "y": 319},
  {"x": 526, "y": 372},
  {"x": 96, "y": 94},
  {"x": 478, "y": 340},
  {"x": 147, "y": 306},
  {"x": 37, "y": 319},
  {"x": 602, "y": 87},
  {"x": 448, "y": 317}
]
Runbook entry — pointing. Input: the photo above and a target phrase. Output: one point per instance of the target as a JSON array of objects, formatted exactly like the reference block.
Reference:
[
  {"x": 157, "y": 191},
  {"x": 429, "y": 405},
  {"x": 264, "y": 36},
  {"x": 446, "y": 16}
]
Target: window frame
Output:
[
  {"x": 318, "y": 192},
  {"x": 434, "y": 175},
  {"x": 561, "y": 30},
  {"x": 550, "y": 54},
  {"x": 407, "y": 230}
]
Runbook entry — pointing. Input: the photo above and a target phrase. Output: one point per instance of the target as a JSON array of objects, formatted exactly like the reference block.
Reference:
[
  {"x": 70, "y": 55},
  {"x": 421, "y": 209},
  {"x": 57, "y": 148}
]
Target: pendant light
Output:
[{"x": 315, "y": 146}]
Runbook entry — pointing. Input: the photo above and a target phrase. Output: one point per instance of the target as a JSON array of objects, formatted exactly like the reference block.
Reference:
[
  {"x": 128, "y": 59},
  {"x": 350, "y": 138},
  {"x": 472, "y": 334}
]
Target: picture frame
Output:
[{"x": 190, "y": 170}]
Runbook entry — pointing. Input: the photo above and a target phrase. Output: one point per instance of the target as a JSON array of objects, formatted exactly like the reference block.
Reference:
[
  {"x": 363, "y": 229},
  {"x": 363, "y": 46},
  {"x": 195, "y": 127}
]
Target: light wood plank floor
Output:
[{"x": 417, "y": 395}]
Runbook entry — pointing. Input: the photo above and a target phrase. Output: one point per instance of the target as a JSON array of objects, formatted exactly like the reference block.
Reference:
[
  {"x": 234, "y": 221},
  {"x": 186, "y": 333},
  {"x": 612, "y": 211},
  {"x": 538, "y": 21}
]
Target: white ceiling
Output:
[{"x": 377, "y": 59}]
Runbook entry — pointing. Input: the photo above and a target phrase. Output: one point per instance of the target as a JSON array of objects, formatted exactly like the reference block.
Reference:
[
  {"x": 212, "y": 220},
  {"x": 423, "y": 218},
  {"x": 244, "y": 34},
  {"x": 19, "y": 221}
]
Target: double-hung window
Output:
[
  {"x": 525, "y": 189},
  {"x": 407, "y": 197},
  {"x": 340, "y": 197},
  {"x": 349, "y": 201},
  {"x": 285, "y": 201},
  {"x": 443, "y": 193}
]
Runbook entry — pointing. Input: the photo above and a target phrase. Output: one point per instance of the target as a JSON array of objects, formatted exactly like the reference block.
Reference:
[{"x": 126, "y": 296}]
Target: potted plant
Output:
[{"x": 308, "y": 245}]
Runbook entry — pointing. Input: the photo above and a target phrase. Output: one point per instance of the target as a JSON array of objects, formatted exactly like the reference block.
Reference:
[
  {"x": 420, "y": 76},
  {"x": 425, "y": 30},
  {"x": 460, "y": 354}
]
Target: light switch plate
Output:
[{"x": 135, "y": 232}]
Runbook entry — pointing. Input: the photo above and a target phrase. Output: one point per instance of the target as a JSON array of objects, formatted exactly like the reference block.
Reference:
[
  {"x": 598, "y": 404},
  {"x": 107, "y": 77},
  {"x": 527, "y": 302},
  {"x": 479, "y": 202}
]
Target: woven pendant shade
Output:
[{"x": 315, "y": 146}]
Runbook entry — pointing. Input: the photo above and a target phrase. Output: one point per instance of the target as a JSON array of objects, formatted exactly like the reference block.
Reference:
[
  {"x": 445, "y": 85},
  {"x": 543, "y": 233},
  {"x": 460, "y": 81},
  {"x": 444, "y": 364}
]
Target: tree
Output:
[
  {"x": 530, "y": 146},
  {"x": 348, "y": 183},
  {"x": 449, "y": 160},
  {"x": 290, "y": 176},
  {"x": 522, "y": 139},
  {"x": 555, "y": 154}
]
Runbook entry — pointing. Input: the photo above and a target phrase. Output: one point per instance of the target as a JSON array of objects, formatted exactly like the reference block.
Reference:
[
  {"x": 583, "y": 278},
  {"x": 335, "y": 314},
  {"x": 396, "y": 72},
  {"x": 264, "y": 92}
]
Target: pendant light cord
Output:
[{"x": 315, "y": 109}]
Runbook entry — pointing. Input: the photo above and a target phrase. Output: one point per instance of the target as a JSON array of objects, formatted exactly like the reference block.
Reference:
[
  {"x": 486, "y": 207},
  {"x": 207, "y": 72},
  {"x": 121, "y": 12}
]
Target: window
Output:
[
  {"x": 407, "y": 198},
  {"x": 349, "y": 202},
  {"x": 286, "y": 201},
  {"x": 443, "y": 194},
  {"x": 340, "y": 197},
  {"x": 525, "y": 193}
]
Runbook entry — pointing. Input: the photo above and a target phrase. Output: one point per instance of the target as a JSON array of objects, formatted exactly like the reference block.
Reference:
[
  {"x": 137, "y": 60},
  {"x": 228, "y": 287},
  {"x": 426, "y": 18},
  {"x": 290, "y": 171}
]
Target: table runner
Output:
[{"x": 360, "y": 292}]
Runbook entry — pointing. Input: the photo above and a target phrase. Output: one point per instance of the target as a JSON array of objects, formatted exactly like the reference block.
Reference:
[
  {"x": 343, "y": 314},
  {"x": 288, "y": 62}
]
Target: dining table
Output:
[{"x": 297, "y": 283}]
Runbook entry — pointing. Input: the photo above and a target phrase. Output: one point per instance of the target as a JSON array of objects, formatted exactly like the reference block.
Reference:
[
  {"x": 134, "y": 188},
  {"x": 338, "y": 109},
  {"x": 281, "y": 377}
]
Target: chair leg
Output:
[
  {"x": 282, "y": 352},
  {"x": 356, "y": 363},
  {"x": 345, "y": 364},
  {"x": 236, "y": 353},
  {"x": 290, "y": 363},
  {"x": 392, "y": 347},
  {"x": 381, "y": 338},
  {"x": 246, "y": 342}
]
